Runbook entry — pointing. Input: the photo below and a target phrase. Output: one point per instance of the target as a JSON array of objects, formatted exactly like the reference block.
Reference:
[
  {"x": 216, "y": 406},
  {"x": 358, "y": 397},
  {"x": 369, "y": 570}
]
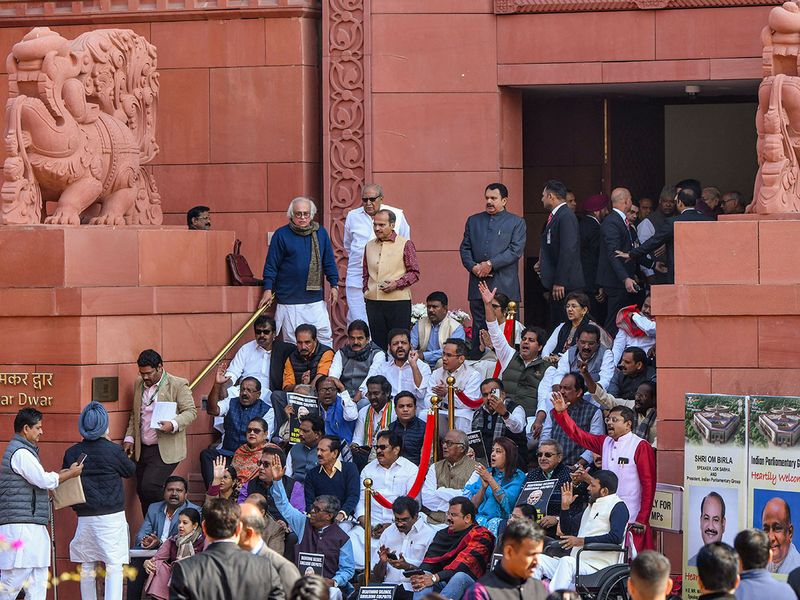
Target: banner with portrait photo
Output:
[
  {"x": 715, "y": 476},
  {"x": 774, "y": 462}
]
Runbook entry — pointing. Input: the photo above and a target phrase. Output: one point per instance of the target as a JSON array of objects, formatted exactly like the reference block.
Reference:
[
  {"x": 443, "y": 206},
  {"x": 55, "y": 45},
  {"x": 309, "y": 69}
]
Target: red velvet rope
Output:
[
  {"x": 425, "y": 459},
  {"x": 508, "y": 332}
]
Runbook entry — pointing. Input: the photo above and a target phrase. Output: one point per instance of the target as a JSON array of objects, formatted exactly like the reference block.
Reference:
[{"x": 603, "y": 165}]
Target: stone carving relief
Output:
[
  {"x": 345, "y": 147},
  {"x": 80, "y": 126},
  {"x": 777, "y": 186}
]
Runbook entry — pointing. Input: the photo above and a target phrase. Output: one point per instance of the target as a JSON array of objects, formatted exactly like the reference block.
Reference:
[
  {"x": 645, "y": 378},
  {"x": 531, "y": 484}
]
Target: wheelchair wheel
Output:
[{"x": 615, "y": 584}]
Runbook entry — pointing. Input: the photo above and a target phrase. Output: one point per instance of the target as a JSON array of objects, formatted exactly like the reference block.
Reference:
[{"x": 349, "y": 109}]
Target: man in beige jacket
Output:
[
  {"x": 157, "y": 446},
  {"x": 390, "y": 268}
]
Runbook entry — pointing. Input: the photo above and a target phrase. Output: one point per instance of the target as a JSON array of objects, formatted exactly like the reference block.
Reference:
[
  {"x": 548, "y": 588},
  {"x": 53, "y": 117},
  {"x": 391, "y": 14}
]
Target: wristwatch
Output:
[{"x": 435, "y": 578}]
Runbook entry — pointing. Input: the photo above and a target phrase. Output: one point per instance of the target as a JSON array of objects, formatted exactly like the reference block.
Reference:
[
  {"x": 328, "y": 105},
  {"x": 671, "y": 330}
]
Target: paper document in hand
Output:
[{"x": 163, "y": 411}]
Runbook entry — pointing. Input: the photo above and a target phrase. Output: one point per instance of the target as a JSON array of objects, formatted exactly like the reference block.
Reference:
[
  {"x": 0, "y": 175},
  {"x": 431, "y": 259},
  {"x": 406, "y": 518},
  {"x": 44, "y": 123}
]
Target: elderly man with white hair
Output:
[{"x": 300, "y": 255}]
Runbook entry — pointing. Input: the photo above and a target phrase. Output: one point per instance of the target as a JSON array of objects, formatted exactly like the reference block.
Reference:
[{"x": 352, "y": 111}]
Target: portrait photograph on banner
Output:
[
  {"x": 774, "y": 482},
  {"x": 715, "y": 476}
]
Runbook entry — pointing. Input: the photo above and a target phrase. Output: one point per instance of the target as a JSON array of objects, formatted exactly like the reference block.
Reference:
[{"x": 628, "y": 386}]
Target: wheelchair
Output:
[{"x": 609, "y": 583}]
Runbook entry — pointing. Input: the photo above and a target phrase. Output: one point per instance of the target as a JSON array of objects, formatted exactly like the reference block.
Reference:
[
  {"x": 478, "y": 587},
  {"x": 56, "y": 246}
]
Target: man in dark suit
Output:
[
  {"x": 224, "y": 571},
  {"x": 559, "y": 265},
  {"x": 494, "y": 241},
  {"x": 615, "y": 275},
  {"x": 595, "y": 210},
  {"x": 686, "y": 199}
]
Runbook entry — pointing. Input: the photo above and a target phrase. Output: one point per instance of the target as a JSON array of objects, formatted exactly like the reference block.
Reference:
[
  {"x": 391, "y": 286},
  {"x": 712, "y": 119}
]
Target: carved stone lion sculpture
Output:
[
  {"x": 777, "y": 185},
  {"x": 80, "y": 125}
]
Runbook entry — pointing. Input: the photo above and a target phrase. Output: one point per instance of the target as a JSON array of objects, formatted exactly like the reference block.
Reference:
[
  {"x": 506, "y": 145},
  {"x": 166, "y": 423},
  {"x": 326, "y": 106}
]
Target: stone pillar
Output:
[{"x": 728, "y": 324}]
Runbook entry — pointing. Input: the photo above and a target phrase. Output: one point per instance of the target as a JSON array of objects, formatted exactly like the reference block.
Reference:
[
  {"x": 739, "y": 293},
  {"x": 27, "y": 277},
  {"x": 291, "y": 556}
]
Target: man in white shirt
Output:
[
  {"x": 467, "y": 385},
  {"x": 392, "y": 476},
  {"x": 24, "y": 486},
  {"x": 358, "y": 230},
  {"x": 403, "y": 368},
  {"x": 402, "y": 547},
  {"x": 264, "y": 357}
]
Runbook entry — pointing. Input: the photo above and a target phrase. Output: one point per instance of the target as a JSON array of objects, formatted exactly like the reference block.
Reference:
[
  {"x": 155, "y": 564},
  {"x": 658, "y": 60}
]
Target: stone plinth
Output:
[
  {"x": 80, "y": 303},
  {"x": 728, "y": 324}
]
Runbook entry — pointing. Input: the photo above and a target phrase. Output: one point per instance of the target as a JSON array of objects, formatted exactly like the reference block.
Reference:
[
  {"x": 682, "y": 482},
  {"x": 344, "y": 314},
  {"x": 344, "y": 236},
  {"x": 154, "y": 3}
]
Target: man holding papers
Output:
[{"x": 163, "y": 408}]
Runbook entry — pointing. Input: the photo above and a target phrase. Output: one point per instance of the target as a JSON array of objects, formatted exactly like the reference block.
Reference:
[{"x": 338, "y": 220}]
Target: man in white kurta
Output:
[
  {"x": 357, "y": 232},
  {"x": 467, "y": 385},
  {"x": 25, "y": 563},
  {"x": 392, "y": 476}
]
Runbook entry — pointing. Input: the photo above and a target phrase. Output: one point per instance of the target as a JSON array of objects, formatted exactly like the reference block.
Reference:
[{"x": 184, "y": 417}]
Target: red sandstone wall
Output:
[
  {"x": 238, "y": 116},
  {"x": 441, "y": 128}
]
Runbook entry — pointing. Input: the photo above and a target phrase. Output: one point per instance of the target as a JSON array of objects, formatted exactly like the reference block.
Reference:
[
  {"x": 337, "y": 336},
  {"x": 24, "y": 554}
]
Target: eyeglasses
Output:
[
  {"x": 449, "y": 443},
  {"x": 382, "y": 447},
  {"x": 546, "y": 454},
  {"x": 316, "y": 509},
  {"x": 263, "y": 331},
  {"x": 613, "y": 420},
  {"x": 301, "y": 214},
  {"x": 254, "y": 430},
  {"x": 368, "y": 199}
]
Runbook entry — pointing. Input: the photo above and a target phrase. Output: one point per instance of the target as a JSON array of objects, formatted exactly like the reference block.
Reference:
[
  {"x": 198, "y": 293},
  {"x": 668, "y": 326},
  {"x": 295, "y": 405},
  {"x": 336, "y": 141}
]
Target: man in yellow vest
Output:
[{"x": 390, "y": 269}]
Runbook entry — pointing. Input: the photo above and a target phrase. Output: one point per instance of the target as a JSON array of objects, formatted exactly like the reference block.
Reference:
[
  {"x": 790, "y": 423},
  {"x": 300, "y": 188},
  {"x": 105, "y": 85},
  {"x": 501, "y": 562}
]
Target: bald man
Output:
[
  {"x": 615, "y": 275},
  {"x": 776, "y": 521},
  {"x": 712, "y": 521}
]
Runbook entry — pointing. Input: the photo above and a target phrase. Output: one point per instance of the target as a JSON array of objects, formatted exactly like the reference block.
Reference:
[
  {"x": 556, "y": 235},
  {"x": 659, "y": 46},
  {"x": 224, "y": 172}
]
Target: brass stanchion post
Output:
[
  {"x": 367, "y": 527},
  {"x": 451, "y": 402},
  {"x": 435, "y": 412},
  {"x": 229, "y": 345},
  {"x": 511, "y": 313}
]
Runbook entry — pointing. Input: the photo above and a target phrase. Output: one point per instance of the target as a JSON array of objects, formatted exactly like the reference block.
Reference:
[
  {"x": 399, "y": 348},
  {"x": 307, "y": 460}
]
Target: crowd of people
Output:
[{"x": 574, "y": 402}]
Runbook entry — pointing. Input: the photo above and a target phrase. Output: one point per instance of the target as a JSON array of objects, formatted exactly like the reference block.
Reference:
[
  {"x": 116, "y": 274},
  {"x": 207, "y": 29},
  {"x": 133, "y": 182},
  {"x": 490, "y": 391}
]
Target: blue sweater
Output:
[
  {"x": 758, "y": 584},
  {"x": 286, "y": 267},
  {"x": 105, "y": 466},
  {"x": 345, "y": 485}
]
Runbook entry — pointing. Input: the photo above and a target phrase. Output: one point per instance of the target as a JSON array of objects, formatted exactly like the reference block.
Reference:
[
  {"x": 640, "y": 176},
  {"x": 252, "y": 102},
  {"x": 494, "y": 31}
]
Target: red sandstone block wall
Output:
[
  {"x": 238, "y": 116},
  {"x": 728, "y": 324}
]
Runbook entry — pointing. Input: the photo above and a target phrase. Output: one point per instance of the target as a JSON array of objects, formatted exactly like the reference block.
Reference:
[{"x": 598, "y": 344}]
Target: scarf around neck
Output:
[
  {"x": 314, "y": 280},
  {"x": 186, "y": 543},
  {"x": 245, "y": 461}
]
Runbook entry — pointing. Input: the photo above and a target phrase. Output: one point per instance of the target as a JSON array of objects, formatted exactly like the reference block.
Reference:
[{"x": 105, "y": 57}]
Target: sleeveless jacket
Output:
[
  {"x": 385, "y": 263},
  {"x": 21, "y": 501},
  {"x": 354, "y": 371},
  {"x": 235, "y": 423},
  {"x": 329, "y": 543},
  {"x": 450, "y": 476},
  {"x": 301, "y": 365},
  {"x": 522, "y": 383}
]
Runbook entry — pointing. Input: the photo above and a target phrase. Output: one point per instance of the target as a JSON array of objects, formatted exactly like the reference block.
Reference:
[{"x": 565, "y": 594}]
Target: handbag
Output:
[
  {"x": 240, "y": 270},
  {"x": 68, "y": 493}
]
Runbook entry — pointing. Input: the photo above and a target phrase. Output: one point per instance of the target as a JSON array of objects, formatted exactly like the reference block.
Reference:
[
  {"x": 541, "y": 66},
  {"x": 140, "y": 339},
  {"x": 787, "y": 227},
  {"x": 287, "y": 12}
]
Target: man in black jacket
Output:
[
  {"x": 615, "y": 275},
  {"x": 686, "y": 199},
  {"x": 559, "y": 265},
  {"x": 595, "y": 210},
  {"x": 512, "y": 578},
  {"x": 224, "y": 571}
]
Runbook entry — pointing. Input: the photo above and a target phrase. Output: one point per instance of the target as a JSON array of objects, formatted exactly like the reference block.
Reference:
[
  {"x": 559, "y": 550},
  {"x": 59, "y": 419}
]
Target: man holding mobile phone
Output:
[{"x": 402, "y": 547}]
